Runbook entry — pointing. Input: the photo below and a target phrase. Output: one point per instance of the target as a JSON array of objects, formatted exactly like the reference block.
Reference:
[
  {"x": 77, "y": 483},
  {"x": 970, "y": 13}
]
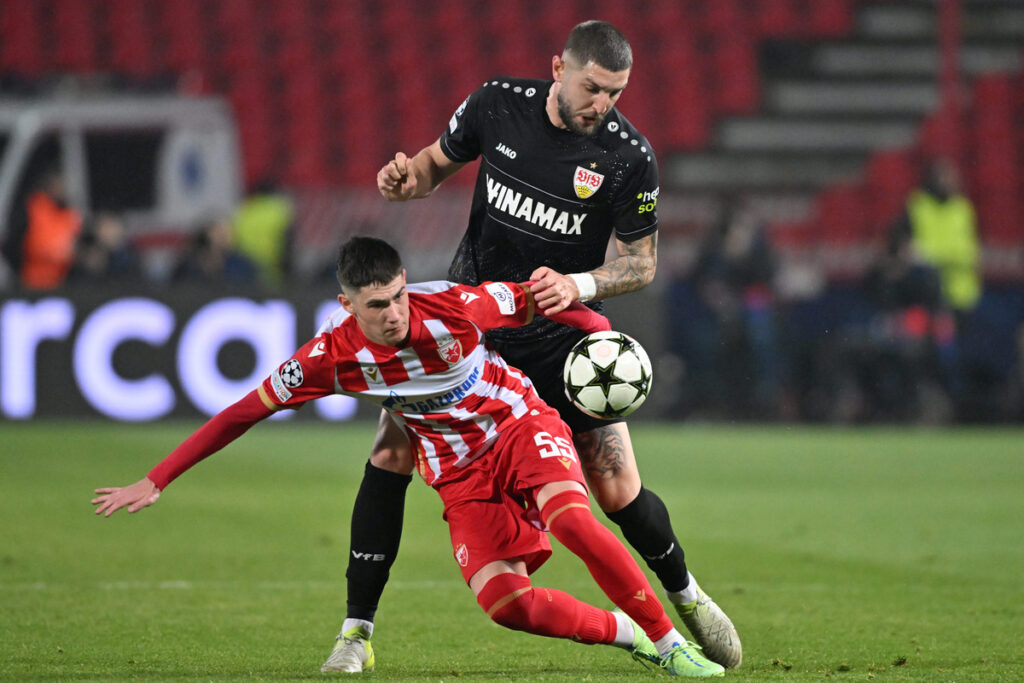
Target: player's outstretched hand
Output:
[
  {"x": 396, "y": 181},
  {"x": 552, "y": 291},
  {"x": 142, "y": 493}
]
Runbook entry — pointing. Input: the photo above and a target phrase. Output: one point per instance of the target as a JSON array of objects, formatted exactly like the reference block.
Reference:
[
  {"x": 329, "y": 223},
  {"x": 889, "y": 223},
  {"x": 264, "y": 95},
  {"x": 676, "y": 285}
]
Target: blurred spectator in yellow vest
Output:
[
  {"x": 263, "y": 223},
  {"x": 940, "y": 229}
]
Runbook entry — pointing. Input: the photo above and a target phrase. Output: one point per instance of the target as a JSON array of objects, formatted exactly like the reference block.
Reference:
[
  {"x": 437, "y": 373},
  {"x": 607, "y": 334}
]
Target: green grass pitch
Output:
[{"x": 888, "y": 554}]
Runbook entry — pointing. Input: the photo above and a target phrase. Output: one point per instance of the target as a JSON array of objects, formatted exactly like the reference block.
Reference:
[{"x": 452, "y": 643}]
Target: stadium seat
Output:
[
  {"x": 21, "y": 50},
  {"x": 889, "y": 177},
  {"x": 75, "y": 39},
  {"x": 132, "y": 39},
  {"x": 827, "y": 18},
  {"x": 776, "y": 18},
  {"x": 737, "y": 87},
  {"x": 840, "y": 215}
]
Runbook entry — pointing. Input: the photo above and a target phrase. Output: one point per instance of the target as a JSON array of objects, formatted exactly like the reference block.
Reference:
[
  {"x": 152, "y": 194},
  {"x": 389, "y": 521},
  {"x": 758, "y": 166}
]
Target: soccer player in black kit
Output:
[{"x": 562, "y": 172}]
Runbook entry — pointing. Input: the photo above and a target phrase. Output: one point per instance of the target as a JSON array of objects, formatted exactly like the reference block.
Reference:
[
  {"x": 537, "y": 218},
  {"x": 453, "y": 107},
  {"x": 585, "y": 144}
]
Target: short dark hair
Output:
[
  {"x": 364, "y": 261},
  {"x": 601, "y": 43}
]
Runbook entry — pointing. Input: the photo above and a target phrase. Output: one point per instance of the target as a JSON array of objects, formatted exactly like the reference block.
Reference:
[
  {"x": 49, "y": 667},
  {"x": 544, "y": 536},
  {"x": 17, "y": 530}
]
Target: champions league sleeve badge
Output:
[{"x": 586, "y": 182}]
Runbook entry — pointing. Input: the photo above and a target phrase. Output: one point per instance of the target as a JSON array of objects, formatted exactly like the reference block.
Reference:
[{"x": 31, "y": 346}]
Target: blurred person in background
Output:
[
  {"x": 737, "y": 344},
  {"x": 211, "y": 258},
  {"x": 104, "y": 252},
  {"x": 933, "y": 268},
  {"x": 40, "y": 244},
  {"x": 263, "y": 232},
  {"x": 562, "y": 173}
]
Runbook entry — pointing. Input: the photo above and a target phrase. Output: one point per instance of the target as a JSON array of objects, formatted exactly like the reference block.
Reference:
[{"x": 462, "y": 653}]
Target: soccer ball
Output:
[{"x": 607, "y": 375}]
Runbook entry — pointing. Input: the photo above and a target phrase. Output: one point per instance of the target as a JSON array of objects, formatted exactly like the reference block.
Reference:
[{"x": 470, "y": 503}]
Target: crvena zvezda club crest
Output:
[
  {"x": 586, "y": 182},
  {"x": 462, "y": 554},
  {"x": 450, "y": 351}
]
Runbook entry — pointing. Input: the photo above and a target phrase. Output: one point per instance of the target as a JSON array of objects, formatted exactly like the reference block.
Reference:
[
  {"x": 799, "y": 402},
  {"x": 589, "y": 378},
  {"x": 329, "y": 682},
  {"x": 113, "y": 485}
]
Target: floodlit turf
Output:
[{"x": 892, "y": 554}]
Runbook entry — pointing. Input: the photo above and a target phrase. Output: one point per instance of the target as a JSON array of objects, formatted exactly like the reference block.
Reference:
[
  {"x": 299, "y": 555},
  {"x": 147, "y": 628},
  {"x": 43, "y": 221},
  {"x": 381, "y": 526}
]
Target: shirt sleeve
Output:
[
  {"x": 636, "y": 207},
  {"x": 460, "y": 141},
  {"x": 496, "y": 304},
  {"x": 307, "y": 375}
]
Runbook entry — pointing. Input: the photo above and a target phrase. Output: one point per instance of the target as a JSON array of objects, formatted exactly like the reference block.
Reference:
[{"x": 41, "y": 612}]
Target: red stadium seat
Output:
[
  {"x": 840, "y": 215},
  {"x": 75, "y": 39},
  {"x": 21, "y": 49},
  {"x": 889, "y": 177},
  {"x": 737, "y": 87},
  {"x": 827, "y": 18},
  {"x": 777, "y": 18},
  {"x": 132, "y": 38}
]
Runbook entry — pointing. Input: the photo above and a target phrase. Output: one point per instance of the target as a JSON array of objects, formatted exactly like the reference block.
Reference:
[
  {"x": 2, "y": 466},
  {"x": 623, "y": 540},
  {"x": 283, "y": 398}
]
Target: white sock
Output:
[
  {"x": 688, "y": 594},
  {"x": 623, "y": 631},
  {"x": 352, "y": 623},
  {"x": 669, "y": 641}
]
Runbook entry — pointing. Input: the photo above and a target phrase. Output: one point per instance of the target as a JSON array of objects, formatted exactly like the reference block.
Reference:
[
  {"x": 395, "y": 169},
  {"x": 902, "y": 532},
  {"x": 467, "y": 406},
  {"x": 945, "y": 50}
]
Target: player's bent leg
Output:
[
  {"x": 612, "y": 473},
  {"x": 606, "y": 454},
  {"x": 504, "y": 592},
  {"x": 375, "y": 534},
  {"x": 567, "y": 515}
]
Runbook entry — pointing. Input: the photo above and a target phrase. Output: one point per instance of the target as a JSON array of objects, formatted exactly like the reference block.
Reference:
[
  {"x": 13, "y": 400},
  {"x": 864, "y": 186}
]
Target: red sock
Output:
[
  {"x": 567, "y": 515},
  {"x": 511, "y": 601}
]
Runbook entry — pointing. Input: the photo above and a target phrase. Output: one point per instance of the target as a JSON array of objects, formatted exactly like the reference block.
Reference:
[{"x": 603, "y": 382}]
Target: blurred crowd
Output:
[
  {"x": 904, "y": 343},
  {"x": 50, "y": 244},
  {"x": 910, "y": 341}
]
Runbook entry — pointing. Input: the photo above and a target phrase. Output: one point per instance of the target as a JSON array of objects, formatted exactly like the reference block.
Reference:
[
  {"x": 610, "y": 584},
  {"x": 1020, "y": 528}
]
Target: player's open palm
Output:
[
  {"x": 396, "y": 181},
  {"x": 142, "y": 493}
]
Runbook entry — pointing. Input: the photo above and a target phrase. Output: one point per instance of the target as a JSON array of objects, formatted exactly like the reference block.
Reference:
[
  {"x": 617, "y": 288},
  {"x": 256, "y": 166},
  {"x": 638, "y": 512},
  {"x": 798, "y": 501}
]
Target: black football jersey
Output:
[{"x": 545, "y": 196}]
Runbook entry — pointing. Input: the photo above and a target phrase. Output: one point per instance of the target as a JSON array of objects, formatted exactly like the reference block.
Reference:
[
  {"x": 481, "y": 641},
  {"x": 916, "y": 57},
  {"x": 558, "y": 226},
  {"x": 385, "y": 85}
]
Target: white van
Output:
[{"x": 163, "y": 163}]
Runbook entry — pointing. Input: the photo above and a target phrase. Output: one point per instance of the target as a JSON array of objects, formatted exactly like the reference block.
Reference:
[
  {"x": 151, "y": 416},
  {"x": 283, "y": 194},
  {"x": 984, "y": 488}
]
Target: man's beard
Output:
[{"x": 565, "y": 113}]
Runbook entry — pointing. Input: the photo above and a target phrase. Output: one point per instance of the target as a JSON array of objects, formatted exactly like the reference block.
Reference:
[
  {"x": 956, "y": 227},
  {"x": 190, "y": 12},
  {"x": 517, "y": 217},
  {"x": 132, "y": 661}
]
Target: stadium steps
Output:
[{"x": 829, "y": 104}]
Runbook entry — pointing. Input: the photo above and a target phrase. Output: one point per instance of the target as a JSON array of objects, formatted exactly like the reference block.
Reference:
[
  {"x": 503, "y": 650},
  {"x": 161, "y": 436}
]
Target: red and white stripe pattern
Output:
[{"x": 451, "y": 393}]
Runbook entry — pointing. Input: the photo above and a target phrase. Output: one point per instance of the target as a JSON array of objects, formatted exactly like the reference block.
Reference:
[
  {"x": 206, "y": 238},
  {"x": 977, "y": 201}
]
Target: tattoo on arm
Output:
[
  {"x": 601, "y": 451},
  {"x": 632, "y": 270}
]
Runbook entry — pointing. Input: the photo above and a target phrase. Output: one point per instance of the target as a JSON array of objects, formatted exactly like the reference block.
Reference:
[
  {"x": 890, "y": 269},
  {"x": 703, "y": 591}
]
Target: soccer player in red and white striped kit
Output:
[{"x": 501, "y": 459}]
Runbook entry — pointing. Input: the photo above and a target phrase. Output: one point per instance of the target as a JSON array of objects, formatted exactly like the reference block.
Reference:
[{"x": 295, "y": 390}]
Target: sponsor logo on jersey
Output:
[
  {"x": 506, "y": 150},
  {"x": 648, "y": 201},
  {"x": 586, "y": 182},
  {"x": 462, "y": 555},
  {"x": 277, "y": 384},
  {"x": 501, "y": 293},
  {"x": 432, "y": 404},
  {"x": 520, "y": 205},
  {"x": 450, "y": 350},
  {"x": 291, "y": 374},
  {"x": 318, "y": 350}
]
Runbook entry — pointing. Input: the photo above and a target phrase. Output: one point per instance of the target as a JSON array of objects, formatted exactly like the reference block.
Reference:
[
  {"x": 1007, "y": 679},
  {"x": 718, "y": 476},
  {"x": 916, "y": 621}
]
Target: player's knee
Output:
[
  {"x": 506, "y": 599},
  {"x": 393, "y": 459},
  {"x": 615, "y": 493}
]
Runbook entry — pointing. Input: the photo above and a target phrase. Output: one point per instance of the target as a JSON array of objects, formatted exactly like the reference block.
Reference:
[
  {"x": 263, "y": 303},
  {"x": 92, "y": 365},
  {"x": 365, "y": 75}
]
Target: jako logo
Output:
[{"x": 510, "y": 153}]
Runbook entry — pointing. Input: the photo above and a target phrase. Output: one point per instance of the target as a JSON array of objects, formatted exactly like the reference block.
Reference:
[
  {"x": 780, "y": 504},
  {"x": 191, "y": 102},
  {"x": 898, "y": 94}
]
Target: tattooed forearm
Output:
[
  {"x": 602, "y": 452},
  {"x": 632, "y": 270}
]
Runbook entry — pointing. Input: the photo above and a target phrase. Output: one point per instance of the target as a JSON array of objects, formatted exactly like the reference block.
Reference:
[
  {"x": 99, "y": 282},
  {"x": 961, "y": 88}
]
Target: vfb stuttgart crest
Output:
[
  {"x": 586, "y": 182},
  {"x": 450, "y": 350}
]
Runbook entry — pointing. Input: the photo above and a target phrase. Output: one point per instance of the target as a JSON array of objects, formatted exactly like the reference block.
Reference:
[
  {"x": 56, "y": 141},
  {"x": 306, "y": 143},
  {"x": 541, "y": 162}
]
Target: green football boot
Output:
[
  {"x": 352, "y": 653},
  {"x": 685, "y": 659},
  {"x": 712, "y": 630}
]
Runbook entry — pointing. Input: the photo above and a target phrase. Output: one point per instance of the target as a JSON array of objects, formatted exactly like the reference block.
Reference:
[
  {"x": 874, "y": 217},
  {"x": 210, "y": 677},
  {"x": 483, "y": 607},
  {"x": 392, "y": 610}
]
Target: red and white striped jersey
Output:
[{"x": 452, "y": 393}]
